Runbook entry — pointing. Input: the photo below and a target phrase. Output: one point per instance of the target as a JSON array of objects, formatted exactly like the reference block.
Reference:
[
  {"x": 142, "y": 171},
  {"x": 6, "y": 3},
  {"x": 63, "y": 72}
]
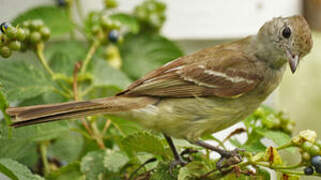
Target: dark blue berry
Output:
[
  {"x": 308, "y": 171},
  {"x": 4, "y": 26},
  {"x": 316, "y": 161},
  {"x": 61, "y": 3},
  {"x": 318, "y": 169},
  {"x": 113, "y": 36}
]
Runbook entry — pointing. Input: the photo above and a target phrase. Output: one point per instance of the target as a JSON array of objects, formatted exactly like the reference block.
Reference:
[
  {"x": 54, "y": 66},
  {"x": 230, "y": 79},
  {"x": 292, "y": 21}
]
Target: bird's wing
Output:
[{"x": 224, "y": 73}]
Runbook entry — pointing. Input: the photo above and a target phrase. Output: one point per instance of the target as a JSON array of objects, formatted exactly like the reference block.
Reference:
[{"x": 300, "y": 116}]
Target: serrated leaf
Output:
[
  {"x": 193, "y": 170},
  {"x": 16, "y": 171},
  {"x": 144, "y": 52},
  {"x": 22, "y": 80},
  {"x": 130, "y": 22},
  {"x": 71, "y": 171},
  {"x": 114, "y": 160},
  {"x": 92, "y": 165},
  {"x": 54, "y": 17},
  {"x": 278, "y": 137},
  {"x": 144, "y": 142}
]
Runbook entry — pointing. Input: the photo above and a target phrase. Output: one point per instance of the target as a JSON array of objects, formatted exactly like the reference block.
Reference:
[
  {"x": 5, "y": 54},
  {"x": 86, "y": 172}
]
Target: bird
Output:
[{"x": 197, "y": 94}]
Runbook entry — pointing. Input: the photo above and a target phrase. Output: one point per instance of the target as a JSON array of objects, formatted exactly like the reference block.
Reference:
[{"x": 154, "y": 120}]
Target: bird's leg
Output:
[
  {"x": 178, "y": 160},
  {"x": 227, "y": 159}
]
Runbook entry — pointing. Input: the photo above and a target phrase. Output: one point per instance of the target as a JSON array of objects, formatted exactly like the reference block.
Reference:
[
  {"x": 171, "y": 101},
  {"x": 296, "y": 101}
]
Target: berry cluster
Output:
[
  {"x": 275, "y": 121},
  {"x": 316, "y": 164},
  {"x": 151, "y": 12},
  {"x": 36, "y": 32},
  {"x": 105, "y": 27},
  {"x": 10, "y": 39}
]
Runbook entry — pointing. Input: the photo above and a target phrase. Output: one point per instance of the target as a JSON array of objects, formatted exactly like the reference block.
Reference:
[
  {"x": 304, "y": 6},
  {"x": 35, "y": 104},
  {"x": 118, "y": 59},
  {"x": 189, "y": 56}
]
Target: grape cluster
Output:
[
  {"x": 36, "y": 32},
  {"x": 10, "y": 39},
  {"x": 152, "y": 13},
  {"x": 275, "y": 121},
  {"x": 106, "y": 28}
]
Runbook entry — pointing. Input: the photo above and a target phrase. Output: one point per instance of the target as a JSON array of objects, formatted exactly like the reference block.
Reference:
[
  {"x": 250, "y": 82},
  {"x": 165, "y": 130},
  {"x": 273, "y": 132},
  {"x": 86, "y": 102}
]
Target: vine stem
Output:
[
  {"x": 41, "y": 57},
  {"x": 43, "y": 152},
  {"x": 90, "y": 54}
]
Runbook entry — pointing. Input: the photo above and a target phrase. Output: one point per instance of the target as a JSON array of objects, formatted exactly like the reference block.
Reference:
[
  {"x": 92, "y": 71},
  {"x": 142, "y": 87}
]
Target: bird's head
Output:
[{"x": 285, "y": 39}]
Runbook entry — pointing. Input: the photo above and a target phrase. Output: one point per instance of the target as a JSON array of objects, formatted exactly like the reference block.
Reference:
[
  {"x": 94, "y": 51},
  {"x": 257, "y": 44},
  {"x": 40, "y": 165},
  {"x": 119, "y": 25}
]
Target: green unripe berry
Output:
[
  {"x": 26, "y": 24},
  {"x": 318, "y": 143},
  {"x": 105, "y": 22},
  {"x": 111, "y": 4},
  {"x": 15, "y": 45},
  {"x": 21, "y": 34},
  {"x": 45, "y": 33},
  {"x": 11, "y": 32},
  {"x": 26, "y": 32},
  {"x": 35, "y": 37},
  {"x": 95, "y": 29},
  {"x": 5, "y": 52},
  {"x": 315, "y": 150},
  {"x": 306, "y": 146},
  {"x": 36, "y": 24},
  {"x": 306, "y": 156}
]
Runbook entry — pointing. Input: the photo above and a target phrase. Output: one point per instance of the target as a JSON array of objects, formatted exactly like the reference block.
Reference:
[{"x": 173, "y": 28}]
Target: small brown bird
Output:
[{"x": 197, "y": 94}]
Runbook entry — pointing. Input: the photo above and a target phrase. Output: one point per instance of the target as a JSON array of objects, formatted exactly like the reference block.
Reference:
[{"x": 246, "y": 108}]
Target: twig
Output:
[
  {"x": 90, "y": 54},
  {"x": 43, "y": 152},
  {"x": 107, "y": 125},
  {"x": 235, "y": 132},
  {"x": 41, "y": 57}
]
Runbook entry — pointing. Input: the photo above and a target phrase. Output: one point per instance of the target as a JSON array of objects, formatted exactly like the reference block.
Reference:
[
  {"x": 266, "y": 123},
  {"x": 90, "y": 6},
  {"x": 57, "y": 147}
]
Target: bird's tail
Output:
[{"x": 23, "y": 116}]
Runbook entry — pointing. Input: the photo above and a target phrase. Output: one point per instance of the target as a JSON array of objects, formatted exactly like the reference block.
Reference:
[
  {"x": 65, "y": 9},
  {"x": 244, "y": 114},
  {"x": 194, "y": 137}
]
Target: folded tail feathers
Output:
[{"x": 23, "y": 116}]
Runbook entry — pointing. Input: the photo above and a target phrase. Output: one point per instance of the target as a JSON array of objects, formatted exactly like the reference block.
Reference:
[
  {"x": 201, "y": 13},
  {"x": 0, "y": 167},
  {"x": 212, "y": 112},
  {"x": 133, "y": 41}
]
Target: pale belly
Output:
[{"x": 189, "y": 118}]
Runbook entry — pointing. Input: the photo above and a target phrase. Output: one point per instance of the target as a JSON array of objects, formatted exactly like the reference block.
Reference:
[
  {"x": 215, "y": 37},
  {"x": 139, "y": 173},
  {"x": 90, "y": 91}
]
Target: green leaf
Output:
[
  {"x": 193, "y": 169},
  {"x": 23, "y": 79},
  {"x": 162, "y": 172},
  {"x": 144, "y": 52},
  {"x": 105, "y": 75},
  {"x": 16, "y": 171},
  {"x": 262, "y": 174},
  {"x": 145, "y": 142},
  {"x": 130, "y": 22},
  {"x": 115, "y": 160},
  {"x": 92, "y": 165},
  {"x": 54, "y": 17},
  {"x": 278, "y": 137},
  {"x": 67, "y": 147},
  {"x": 63, "y": 55},
  {"x": 71, "y": 171}
]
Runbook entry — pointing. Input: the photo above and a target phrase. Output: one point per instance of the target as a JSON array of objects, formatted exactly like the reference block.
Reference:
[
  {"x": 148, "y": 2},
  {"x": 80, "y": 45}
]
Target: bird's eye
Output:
[{"x": 286, "y": 33}]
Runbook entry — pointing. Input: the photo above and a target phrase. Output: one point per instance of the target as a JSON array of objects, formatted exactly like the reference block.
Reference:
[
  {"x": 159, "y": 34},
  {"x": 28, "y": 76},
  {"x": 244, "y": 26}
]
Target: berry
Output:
[
  {"x": 45, "y": 33},
  {"x": 26, "y": 24},
  {"x": 306, "y": 156},
  {"x": 15, "y": 45},
  {"x": 105, "y": 22},
  {"x": 61, "y": 3},
  {"x": 111, "y": 4},
  {"x": 95, "y": 29},
  {"x": 5, "y": 52},
  {"x": 316, "y": 161},
  {"x": 35, "y": 37},
  {"x": 306, "y": 146},
  {"x": 36, "y": 24},
  {"x": 315, "y": 150},
  {"x": 318, "y": 169},
  {"x": 11, "y": 32},
  {"x": 21, "y": 35},
  {"x": 26, "y": 32},
  {"x": 318, "y": 143},
  {"x": 4, "y": 26},
  {"x": 308, "y": 171},
  {"x": 113, "y": 36}
]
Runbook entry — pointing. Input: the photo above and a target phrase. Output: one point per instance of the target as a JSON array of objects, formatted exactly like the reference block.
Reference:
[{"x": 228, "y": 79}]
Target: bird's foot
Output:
[
  {"x": 176, "y": 162},
  {"x": 229, "y": 158}
]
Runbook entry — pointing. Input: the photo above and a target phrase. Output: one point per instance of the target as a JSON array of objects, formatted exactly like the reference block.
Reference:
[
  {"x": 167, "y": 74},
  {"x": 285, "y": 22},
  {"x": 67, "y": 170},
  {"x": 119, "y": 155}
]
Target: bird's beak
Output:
[{"x": 293, "y": 60}]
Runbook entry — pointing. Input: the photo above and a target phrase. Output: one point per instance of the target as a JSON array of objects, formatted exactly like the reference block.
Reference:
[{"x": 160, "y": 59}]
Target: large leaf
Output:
[
  {"x": 54, "y": 17},
  {"x": 130, "y": 22},
  {"x": 16, "y": 171},
  {"x": 145, "y": 142},
  {"x": 23, "y": 79},
  {"x": 71, "y": 171},
  {"x": 162, "y": 172},
  {"x": 145, "y": 52},
  {"x": 115, "y": 160},
  {"x": 92, "y": 165}
]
